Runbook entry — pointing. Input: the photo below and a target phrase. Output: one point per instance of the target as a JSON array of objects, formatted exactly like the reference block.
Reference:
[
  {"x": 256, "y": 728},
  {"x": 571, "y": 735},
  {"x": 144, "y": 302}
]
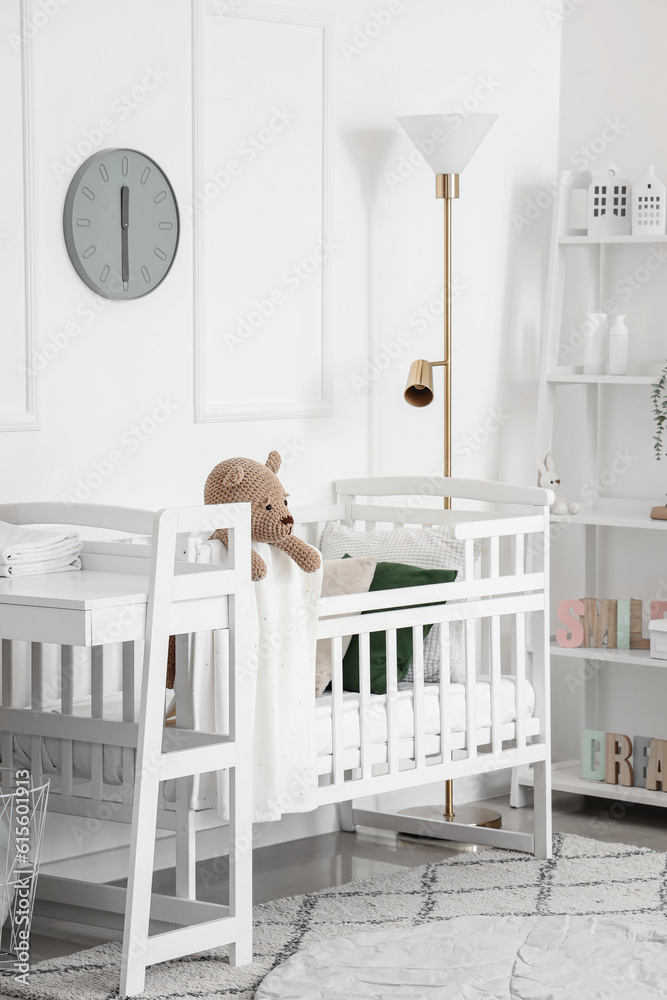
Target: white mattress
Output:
[
  {"x": 406, "y": 721},
  {"x": 112, "y": 756}
]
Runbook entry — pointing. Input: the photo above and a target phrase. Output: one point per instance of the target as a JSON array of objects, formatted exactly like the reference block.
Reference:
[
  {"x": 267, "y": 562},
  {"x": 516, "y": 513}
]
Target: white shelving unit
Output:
[
  {"x": 566, "y": 777},
  {"x": 604, "y": 513}
]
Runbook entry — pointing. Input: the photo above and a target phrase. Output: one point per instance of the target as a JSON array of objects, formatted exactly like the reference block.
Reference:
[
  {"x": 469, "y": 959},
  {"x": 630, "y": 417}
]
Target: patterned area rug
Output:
[{"x": 584, "y": 877}]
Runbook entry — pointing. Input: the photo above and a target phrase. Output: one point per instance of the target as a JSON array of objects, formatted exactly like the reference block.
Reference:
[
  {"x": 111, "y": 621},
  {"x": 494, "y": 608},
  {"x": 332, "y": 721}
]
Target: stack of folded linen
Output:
[{"x": 30, "y": 551}]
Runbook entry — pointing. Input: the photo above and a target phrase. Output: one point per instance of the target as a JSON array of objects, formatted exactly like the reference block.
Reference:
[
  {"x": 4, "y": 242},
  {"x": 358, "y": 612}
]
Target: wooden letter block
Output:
[
  {"x": 623, "y": 624},
  {"x": 618, "y": 769},
  {"x": 599, "y": 625},
  {"x": 657, "y": 762},
  {"x": 641, "y": 747},
  {"x": 637, "y": 627},
  {"x": 592, "y": 738},
  {"x": 566, "y": 612}
]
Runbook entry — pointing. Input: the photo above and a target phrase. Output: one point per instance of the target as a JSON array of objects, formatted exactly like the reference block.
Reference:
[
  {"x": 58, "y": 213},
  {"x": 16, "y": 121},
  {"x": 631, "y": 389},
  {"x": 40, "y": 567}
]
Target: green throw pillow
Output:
[{"x": 390, "y": 576}]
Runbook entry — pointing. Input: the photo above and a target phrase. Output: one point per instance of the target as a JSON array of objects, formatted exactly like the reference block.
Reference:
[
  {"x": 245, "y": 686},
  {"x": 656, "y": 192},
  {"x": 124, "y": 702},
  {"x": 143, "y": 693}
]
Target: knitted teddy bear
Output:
[{"x": 239, "y": 480}]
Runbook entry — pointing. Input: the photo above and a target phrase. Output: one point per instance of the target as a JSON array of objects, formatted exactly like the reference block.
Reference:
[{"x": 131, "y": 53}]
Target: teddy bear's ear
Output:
[
  {"x": 274, "y": 461},
  {"x": 549, "y": 460},
  {"x": 234, "y": 476}
]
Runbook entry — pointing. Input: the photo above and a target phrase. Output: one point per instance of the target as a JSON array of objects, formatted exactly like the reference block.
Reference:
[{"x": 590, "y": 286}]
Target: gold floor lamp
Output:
[{"x": 447, "y": 142}]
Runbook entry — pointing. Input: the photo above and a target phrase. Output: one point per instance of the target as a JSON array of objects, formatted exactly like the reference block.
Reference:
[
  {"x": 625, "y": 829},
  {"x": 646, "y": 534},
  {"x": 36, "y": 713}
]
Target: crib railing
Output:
[{"x": 494, "y": 597}]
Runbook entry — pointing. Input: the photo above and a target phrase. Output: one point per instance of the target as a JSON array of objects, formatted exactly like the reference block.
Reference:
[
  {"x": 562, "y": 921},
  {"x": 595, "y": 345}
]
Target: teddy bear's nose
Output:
[
  {"x": 558, "y": 482},
  {"x": 288, "y": 519}
]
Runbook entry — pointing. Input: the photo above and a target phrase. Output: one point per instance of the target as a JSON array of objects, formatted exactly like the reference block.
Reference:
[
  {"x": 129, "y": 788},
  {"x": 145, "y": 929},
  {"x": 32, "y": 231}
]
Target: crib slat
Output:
[
  {"x": 37, "y": 703},
  {"x": 495, "y": 654},
  {"x": 445, "y": 708},
  {"x": 468, "y": 559},
  {"x": 471, "y": 689},
  {"x": 365, "y": 720},
  {"x": 519, "y": 657},
  {"x": 67, "y": 708},
  {"x": 97, "y": 712},
  {"x": 519, "y": 650},
  {"x": 392, "y": 701},
  {"x": 128, "y": 714},
  {"x": 338, "y": 743},
  {"x": 7, "y": 745},
  {"x": 418, "y": 692}
]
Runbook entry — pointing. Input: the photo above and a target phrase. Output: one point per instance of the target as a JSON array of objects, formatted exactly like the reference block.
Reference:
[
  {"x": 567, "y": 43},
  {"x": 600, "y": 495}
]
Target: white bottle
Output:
[
  {"x": 618, "y": 348},
  {"x": 595, "y": 345}
]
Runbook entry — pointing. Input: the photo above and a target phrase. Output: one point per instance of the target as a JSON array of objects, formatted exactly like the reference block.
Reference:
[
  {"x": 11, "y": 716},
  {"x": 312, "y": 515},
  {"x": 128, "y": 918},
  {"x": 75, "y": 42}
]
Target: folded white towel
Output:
[
  {"x": 65, "y": 550},
  {"x": 36, "y": 569},
  {"x": 18, "y": 544}
]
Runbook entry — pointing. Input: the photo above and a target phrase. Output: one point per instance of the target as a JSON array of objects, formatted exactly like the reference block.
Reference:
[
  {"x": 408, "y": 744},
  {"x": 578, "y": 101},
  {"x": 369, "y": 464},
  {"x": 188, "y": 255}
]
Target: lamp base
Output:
[{"x": 431, "y": 820}]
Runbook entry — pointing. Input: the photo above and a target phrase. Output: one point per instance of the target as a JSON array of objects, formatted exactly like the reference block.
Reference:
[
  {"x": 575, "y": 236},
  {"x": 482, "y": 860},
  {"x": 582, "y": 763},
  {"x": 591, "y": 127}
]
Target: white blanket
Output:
[
  {"x": 39, "y": 545},
  {"x": 281, "y": 685}
]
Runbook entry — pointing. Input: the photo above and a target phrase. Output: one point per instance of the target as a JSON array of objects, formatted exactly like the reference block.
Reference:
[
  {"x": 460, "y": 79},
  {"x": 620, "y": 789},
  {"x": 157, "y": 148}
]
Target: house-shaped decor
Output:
[
  {"x": 609, "y": 203},
  {"x": 648, "y": 206}
]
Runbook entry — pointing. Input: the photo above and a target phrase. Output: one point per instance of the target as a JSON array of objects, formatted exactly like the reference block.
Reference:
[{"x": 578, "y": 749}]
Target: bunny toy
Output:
[{"x": 549, "y": 480}]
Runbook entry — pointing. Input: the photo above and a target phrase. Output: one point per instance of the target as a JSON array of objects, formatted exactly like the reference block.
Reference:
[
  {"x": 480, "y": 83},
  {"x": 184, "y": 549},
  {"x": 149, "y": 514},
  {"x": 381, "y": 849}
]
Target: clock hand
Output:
[{"x": 125, "y": 222}]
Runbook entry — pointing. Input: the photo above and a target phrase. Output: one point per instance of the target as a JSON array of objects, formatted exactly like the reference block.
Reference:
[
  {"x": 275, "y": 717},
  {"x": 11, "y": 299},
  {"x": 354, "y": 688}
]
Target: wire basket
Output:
[{"x": 23, "y": 802}]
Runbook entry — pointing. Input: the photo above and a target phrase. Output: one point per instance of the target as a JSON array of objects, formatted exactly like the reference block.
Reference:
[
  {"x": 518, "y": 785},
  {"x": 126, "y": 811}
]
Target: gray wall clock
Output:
[{"x": 121, "y": 223}]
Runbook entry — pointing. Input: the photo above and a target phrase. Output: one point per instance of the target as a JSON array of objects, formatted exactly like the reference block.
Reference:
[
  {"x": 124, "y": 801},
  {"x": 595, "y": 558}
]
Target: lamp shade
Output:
[
  {"x": 447, "y": 141},
  {"x": 419, "y": 388}
]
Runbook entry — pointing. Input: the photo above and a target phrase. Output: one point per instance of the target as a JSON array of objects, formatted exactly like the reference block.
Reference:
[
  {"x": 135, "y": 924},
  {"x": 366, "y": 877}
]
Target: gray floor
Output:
[{"x": 333, "y": 859}]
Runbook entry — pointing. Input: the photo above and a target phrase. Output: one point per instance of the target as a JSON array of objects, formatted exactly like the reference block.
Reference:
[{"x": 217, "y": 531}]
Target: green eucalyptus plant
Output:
[{"x": 659, "y": 401}]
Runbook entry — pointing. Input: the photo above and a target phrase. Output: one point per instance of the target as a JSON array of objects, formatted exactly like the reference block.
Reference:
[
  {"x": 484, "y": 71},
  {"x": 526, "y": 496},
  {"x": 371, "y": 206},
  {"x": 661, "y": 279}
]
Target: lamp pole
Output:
[{"x": 447, "y": 188}]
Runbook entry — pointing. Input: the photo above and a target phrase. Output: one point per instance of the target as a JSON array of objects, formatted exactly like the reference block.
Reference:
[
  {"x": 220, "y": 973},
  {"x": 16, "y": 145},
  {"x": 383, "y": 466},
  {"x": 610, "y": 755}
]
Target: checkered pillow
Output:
[{"x": 428, "y": 548}]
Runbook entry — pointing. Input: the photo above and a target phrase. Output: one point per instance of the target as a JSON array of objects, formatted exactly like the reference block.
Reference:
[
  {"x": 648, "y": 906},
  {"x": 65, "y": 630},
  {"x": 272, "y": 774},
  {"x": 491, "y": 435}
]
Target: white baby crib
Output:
[{"x": 496, "y": 718}]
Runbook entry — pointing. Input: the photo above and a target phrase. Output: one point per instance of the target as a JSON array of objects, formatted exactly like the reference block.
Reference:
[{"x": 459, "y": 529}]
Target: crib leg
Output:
[
  {"x": 139, "y": 885},
  {"x": 518, "y": 793},
  {"x": 345, "y": 817},
  {"x": 542, "y": 806},
  {"x": 240, "y": 867}
]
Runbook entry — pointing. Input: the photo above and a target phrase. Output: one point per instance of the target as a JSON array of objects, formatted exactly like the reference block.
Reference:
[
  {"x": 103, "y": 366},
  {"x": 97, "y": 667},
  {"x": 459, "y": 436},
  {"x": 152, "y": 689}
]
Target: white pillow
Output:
[
  {"x": 428, "y": 548},
  {"x": 340, "y": 576}
]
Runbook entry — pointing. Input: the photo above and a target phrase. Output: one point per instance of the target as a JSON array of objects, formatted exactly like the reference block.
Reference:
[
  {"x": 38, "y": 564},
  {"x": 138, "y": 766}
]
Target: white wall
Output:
[
  {"x": 387, "y": 59},
  {"x": 612, "y": 109}
]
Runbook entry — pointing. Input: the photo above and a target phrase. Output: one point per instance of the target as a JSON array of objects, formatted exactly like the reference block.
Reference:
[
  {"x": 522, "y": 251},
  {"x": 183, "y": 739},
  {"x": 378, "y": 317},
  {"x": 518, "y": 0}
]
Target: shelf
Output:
[
  {"x": 599, "y": 240},
  {"x": 566, "y": 777},
  {"x": 616, "y": 514},
  {"x": 578, "y": 378},
  {"x": 631, "y": 657}
]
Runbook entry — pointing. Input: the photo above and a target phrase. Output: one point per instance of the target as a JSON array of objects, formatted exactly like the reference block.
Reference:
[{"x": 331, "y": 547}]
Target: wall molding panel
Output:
[
  {"x": 17, "y": 389},
  {"x": 259, "y": 212}
]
